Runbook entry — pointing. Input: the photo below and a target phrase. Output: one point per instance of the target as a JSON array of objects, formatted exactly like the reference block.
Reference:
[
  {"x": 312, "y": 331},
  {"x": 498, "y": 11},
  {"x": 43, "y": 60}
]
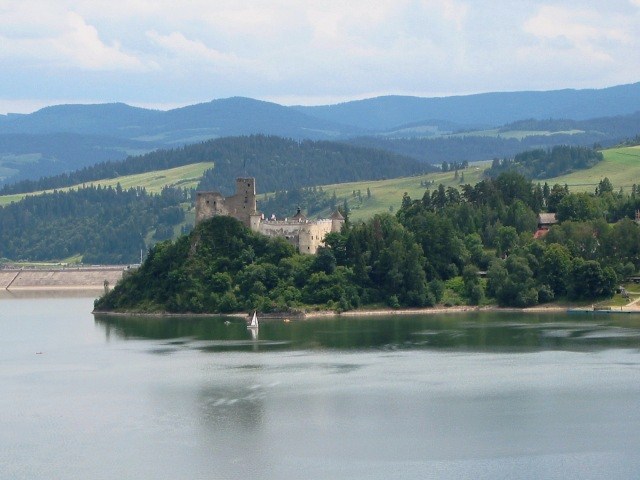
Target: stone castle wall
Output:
[
  {"x": 306, "y": 235},
  {"x": 242, "y": 205}
]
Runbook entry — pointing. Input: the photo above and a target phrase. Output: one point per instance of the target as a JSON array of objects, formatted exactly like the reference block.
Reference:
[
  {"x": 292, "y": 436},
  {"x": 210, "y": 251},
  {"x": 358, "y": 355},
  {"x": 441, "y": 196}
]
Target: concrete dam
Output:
[{"x": 70, "y": 278}]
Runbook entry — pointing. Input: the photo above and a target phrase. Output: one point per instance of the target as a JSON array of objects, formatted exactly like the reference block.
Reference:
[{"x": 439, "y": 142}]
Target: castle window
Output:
[{"x": 207, "y": 202}]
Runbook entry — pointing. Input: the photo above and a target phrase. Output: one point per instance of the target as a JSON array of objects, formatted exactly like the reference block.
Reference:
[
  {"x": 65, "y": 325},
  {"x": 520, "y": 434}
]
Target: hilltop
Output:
[
  {"x": 108, "y": 216},
  {"x": 64, "y": 138},
  {"x": 279, "y": 163},
  {"x": 486, "y": 109},
  {"x": 241, "y": 116},
  {"x": 431, "y": 252},
  {"x": 621, "y": 165}
]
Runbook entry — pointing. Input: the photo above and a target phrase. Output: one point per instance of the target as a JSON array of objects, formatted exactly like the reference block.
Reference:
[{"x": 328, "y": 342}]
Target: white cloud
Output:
[
  {"x": 65, "y": 41},
  {"x": 583, "y": 31},
  {"x": 196, "y": 52},
  {"x": 175, "y": 52},
  {"x": 82, "y": 46},
  {"x": 583, "y": 45}
]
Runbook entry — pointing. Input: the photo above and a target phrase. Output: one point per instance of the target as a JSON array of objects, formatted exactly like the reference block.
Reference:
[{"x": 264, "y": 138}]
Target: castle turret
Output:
[
  {"x": 254, "y": 221},
  {"x": 299, "y": 216},
  {"x": 337, "y": 221}
]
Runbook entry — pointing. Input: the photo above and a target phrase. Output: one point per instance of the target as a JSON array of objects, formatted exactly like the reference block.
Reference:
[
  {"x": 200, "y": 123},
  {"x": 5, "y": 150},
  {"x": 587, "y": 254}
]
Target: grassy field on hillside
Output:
[
  {"x": 620, "y": 165},
  {"x": 517, "y": 134},
  {"x": 186, "y": 176},
  {"x": 386, "y": 195}
]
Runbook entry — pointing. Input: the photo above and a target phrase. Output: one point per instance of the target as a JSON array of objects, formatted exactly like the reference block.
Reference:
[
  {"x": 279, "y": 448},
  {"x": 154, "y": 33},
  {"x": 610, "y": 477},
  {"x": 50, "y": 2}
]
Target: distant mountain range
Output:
[
  {"x": 218, "y": 118},
  {"x": 484, "y": 110},
  {"x": 66, "y": 137}
]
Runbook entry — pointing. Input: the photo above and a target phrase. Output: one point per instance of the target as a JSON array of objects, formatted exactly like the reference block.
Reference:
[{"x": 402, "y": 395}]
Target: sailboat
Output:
[{"x": 253, "y": 324}]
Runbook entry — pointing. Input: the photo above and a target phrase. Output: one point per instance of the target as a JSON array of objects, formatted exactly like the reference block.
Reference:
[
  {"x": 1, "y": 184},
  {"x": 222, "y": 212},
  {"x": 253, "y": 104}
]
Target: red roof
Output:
[{"x": 540, "y": 233}]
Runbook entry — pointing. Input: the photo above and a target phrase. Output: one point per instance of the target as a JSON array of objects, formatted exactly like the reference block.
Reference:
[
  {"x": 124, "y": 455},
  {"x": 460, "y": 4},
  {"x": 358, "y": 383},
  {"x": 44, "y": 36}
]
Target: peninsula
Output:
[{"x": 482, "y": 245}]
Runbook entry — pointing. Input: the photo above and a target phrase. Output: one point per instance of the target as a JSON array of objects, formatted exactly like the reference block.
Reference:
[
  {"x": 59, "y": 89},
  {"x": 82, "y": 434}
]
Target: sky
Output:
[{"x": 168, "y": 53}]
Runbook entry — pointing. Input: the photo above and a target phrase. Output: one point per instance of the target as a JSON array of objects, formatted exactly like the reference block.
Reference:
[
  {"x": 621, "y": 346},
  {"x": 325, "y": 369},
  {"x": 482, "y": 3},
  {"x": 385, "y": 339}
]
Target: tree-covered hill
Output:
[
  {"x": 609, "y": 128},
  {"x": 281, "y": 164},
  {"x": 278, "y": 163},
  {"x": 472, "y": 147},
  {"x": 26, "y": 156},
  {"x": 430, "y": 252},
  {"x": 224, "y": 267},
  {"x": 397, "y": 119},
  {"x": 541, "y": 164},
  {"x": 221, "y": 117},
  {"x": 495, "y": 108},
  {"x": 103, "y": 225}
]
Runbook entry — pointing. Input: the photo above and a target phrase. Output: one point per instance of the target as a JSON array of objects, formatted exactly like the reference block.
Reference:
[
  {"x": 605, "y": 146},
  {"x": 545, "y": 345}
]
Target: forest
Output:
[
  {"x": 284, "y": 203},
  {"x": 471, "y": 148},
  {"x": 279, "y": 163},
  {"x": 553, "y": 162},
  {"x": 431, "y": 252},
  {"x": 104, "y": 225}
]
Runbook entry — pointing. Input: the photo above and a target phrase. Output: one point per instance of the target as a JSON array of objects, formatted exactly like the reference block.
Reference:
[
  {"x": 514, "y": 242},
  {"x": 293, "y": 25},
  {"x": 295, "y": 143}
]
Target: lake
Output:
[{"x": 451, "y": 396}]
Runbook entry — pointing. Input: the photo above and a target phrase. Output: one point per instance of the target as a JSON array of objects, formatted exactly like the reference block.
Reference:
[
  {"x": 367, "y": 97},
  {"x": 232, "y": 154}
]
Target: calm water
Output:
[{"x": 468, "y": 396}]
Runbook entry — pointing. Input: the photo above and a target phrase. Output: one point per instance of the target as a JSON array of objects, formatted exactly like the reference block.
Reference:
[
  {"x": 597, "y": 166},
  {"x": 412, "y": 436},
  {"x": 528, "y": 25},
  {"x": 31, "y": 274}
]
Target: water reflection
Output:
[
  {"x": 15, "y": 294},
  {"x": 477, "y": 331},
  {"x": 408, "y": 397},
  {"x": 232, "y": 406}
]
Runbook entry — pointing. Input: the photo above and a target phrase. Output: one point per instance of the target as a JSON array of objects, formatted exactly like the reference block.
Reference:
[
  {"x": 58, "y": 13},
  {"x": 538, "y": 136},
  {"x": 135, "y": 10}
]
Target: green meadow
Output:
[
  {"x": 386, "y": 195},
  {"x": 187, "y": 176},
  {"x": 620, "y": 165},
  {"x": 517, "y": 134}
]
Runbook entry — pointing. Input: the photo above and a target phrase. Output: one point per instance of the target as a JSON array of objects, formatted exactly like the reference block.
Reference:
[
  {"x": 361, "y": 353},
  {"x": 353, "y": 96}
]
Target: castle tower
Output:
[
  {"x": 254, "y": 221},
  {"x": 337, "y": 221},
  {"x": 246, "y": 193},
  {"x": 241, "y": 206},
  {"x": 209, "y": 204}
]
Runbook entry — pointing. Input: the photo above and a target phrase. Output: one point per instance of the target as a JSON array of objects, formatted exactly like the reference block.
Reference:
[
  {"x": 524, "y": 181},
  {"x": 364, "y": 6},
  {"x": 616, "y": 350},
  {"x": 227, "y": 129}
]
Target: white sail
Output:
[{"x": 254, "y": 321}]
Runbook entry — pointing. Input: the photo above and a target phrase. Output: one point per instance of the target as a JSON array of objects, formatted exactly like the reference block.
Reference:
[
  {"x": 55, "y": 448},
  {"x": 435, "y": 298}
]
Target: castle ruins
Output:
[{"x": 304, "y": 234}]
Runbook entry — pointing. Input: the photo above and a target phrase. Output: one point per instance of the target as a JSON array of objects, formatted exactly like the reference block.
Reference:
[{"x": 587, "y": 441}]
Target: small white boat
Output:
[{"x": 253, "y": 324}]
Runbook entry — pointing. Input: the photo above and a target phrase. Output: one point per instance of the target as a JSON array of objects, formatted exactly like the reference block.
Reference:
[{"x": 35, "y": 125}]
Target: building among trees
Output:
[{"x": 304, "y": 234}]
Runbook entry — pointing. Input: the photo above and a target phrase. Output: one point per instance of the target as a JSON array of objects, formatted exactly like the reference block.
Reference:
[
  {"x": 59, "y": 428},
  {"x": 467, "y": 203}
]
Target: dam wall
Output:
[{"x": 60, "y": 278}]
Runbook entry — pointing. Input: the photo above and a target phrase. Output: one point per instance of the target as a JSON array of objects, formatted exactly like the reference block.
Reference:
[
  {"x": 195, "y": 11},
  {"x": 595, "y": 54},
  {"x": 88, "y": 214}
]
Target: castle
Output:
[{"x": 304, "y": 234}]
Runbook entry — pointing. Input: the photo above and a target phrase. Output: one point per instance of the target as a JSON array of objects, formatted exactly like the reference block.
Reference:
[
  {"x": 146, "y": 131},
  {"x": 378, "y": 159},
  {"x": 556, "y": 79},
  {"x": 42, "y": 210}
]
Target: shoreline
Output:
[
  {"x": 352, "y": 313},
  {"x": 438, "y": 310}
]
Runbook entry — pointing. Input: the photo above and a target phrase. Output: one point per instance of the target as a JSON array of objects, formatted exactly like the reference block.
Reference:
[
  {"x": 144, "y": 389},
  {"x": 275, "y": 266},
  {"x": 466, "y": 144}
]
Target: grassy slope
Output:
[
  {"x": 620, "y": 165},
  {"x": 388, "y": 193},
  {"x": 517, "y": 134},
  {"x": 186, "y": 176}
]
